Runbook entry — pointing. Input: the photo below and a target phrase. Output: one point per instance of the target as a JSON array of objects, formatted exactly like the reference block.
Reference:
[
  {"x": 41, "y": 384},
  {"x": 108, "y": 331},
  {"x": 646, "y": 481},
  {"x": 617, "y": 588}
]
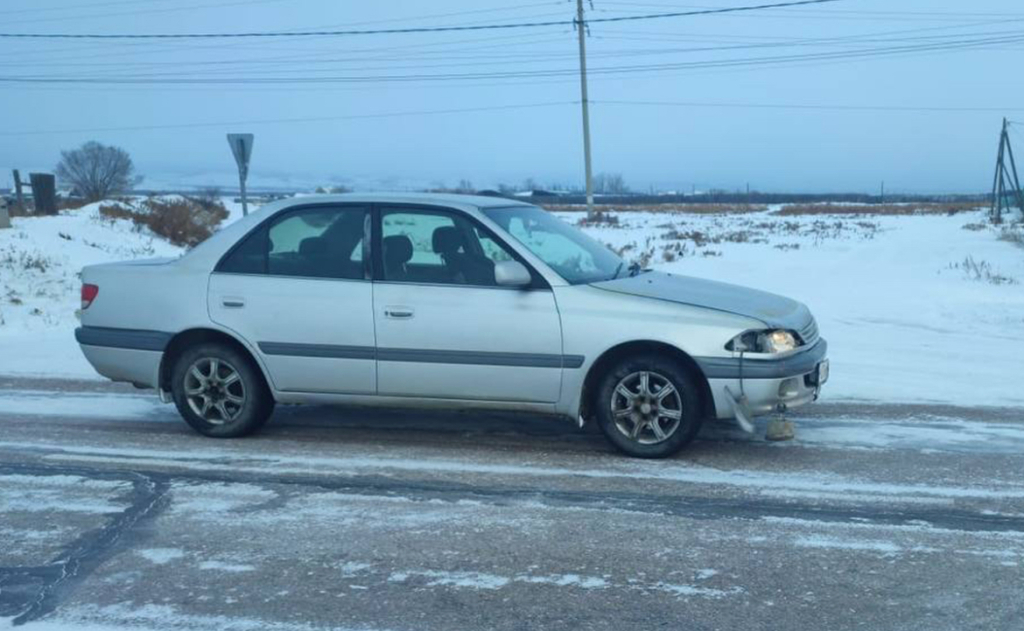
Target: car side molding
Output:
[{"x": 429, "y": 356}]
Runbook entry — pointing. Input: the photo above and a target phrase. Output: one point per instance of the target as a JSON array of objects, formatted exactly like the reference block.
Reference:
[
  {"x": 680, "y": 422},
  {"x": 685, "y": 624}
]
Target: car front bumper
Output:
[{"x": 761, "y": 386}]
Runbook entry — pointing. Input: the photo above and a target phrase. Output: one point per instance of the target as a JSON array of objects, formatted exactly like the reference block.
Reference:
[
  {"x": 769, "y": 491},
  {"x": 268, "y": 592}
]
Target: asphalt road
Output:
[{"x": 113, "y": 513}]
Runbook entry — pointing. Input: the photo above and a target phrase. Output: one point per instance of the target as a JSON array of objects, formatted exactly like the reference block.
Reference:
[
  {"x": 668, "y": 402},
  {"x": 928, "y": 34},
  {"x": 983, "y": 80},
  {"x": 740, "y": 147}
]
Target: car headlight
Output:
[{"x": 772, "y": 341}]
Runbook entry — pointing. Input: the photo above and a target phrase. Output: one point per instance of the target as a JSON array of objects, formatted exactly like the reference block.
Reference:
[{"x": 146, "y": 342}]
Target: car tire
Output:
[
  {"x": 660, "y": 414},
  {"x": 219, "y": 392}
]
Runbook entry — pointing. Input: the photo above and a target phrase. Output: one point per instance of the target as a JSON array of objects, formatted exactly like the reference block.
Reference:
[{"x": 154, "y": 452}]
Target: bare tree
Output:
[
  {"x": 97, "y": 171},
  {"x": 610, "y": 184}
]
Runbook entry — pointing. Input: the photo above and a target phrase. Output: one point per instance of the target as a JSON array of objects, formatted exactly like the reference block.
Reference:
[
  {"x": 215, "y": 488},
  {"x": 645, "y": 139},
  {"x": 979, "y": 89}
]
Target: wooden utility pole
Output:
[
  {"x": 18, "y": 195},
  {"x": 581, "y": 31}
]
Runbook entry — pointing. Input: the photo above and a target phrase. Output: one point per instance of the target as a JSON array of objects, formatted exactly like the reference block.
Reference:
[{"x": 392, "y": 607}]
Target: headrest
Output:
[
  {"x": 446, "y": 240},
  {"x": 397, "y": 250}
]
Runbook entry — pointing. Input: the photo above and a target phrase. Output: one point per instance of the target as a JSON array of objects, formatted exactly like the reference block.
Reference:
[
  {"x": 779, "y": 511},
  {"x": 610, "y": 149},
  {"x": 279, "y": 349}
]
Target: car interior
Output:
[
  {"x": 455, "y": 255},
  {"x": 428, "y": 248}
]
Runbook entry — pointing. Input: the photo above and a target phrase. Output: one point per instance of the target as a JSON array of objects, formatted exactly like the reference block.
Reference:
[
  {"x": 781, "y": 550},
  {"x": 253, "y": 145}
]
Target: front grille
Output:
[{"x": 809, "y": 332}]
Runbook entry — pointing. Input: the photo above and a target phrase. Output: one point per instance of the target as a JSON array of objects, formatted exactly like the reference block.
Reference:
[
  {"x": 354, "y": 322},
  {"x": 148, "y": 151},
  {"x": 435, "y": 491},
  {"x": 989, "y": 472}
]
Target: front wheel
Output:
[
  {"x": 648, "y": 407},
  {"x": 219, "y": 392}
]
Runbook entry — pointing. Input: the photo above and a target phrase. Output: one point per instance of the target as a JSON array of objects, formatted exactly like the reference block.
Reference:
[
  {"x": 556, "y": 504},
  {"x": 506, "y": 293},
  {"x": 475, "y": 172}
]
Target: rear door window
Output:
[{"x": 317, "y": 242}]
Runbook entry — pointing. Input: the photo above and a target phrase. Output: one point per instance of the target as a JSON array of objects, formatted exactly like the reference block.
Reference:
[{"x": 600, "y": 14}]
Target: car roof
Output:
[{"x": 434, "y": 199}]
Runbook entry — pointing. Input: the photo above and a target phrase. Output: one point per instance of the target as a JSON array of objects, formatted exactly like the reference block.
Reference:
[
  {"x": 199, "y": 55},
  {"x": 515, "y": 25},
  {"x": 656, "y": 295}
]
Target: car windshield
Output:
[{"x": 576, "y": 257}]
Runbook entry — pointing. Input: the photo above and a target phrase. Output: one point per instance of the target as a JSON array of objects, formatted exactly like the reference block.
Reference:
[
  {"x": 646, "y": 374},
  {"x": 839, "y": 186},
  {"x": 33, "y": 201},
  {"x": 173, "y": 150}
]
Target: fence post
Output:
[
  {"x": 5, "y": 217},
  {"x": 18, "y": 195}
]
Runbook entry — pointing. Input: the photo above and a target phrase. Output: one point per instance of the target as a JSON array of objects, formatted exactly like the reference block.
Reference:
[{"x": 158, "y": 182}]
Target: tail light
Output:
[{"x": 89, "y": 293}]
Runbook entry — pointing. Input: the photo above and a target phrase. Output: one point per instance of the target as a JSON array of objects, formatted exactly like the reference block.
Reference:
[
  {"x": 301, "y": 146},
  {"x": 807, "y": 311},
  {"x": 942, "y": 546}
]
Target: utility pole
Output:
[
  {"x": 881, "y": 193},
  {"x": 580, "y": 28},
  {"x": 1005, "y": 181}
]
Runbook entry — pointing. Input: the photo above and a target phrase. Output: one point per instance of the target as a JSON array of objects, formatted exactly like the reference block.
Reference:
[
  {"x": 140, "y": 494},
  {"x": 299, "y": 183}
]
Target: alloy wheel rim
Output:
[
  {"x": 646, "y": 407},
  {"x": 214, "y": 390}
]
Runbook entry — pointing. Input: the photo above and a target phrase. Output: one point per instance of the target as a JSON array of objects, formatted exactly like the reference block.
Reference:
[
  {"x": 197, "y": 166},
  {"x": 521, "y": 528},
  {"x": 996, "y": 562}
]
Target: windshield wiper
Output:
[{"x": 633, "y": 269}]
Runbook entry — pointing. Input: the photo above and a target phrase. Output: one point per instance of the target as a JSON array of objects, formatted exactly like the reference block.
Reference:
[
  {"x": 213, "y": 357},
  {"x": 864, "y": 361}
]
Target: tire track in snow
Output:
[
  {"x": 30, "y": 592},
  {"x": 689, "y": 506}
]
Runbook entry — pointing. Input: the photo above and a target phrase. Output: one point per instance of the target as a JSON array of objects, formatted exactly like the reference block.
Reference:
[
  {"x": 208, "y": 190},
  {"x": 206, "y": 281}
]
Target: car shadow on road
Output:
[{"x": 462, "y": 429}]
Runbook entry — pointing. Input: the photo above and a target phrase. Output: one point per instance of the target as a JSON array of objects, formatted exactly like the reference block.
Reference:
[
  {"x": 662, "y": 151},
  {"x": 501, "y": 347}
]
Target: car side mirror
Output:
[{"x": 511, "y": 274}]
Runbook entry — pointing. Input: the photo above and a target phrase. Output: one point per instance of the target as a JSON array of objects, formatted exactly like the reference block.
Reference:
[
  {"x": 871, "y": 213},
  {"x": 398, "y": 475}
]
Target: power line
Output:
[
  {"x": 395, "y": 31},
  {"x": 171, "y": 78},
  {"x": 194, "y": 7},
  {"x": 524, "y": 106},
  {"x": 174, "y": 9},
  {"x": 311, "y": 119},
  {"x": 814, "y": 106},
  {"x": 837, "y": 15},
  {"x": 505, "y": 57}
]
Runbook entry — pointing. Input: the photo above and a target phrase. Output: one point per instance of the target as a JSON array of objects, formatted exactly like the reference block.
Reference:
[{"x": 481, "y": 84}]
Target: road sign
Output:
[{"x": 241, "y": 147}]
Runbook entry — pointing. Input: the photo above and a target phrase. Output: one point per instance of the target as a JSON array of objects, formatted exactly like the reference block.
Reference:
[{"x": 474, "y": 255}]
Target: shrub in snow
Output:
[{"x": 183, "y": 221}]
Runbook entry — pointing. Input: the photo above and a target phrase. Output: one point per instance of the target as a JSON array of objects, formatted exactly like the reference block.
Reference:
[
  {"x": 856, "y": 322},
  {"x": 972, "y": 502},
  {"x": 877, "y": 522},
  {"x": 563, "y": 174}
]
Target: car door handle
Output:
[
  {"x": 233, "y": 302},
  {"x": 398, "y": 313}
]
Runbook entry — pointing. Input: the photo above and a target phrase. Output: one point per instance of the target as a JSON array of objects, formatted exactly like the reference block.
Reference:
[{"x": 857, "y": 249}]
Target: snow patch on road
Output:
[
  {"x": 760, "y": 482},
  {"x": 126, "y": 617},
  {"x": 60, "y": 493},
  {"x": 220, "y": 566},
  {"x": 488, "y": 581},
  {"x": 87, "y": 405},
  {"x": 161, "y": 556},
  {"x": 829, "y": 543}
]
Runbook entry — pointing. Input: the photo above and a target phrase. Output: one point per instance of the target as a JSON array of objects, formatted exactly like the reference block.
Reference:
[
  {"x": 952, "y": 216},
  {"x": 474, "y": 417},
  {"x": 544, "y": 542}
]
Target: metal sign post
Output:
[{"x": 241, "y": 147}]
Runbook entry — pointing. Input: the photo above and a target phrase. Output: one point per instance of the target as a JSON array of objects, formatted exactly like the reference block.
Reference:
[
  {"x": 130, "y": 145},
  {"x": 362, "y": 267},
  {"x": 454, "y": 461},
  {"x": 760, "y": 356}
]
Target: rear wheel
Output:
[
  {"x": 219, "y": 392},
  {"x": 648, "y": 406}
]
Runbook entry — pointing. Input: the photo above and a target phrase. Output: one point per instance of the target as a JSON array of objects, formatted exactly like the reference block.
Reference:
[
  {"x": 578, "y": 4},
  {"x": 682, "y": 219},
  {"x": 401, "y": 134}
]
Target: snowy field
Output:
[{"x": 915, "y": 308}]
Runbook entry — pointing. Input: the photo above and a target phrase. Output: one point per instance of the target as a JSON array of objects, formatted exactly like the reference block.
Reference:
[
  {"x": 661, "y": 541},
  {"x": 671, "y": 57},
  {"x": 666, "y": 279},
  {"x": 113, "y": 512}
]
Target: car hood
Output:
[{"x": 772, "y": 309}]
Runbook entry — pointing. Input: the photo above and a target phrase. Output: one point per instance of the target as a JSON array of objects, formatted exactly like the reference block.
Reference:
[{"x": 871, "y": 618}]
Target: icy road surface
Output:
[{"x": 114, "y": 515}]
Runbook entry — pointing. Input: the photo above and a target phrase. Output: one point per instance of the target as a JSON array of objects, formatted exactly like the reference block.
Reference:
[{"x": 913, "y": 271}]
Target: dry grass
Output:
[
  {"x": 923, "y": 208},
  {"x": 1012, "y": 235},
  {"x": 70, "y": 204},
  {"x": 982, "y": 271},
  {"x": 182, "y": 221},
  {"x": 693, "y": 209},
  {"x": 601, "y": 218}
]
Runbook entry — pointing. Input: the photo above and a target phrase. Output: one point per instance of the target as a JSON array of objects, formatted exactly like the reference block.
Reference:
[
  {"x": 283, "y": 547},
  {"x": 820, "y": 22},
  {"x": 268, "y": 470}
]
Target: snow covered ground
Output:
[
  {"x": 915, "y": 308},
  {"x": 907, "y": 316}
]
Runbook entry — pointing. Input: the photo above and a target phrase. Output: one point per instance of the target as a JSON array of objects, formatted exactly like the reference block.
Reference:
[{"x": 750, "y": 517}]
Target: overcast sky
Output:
[{"x": 684, "y": 126}]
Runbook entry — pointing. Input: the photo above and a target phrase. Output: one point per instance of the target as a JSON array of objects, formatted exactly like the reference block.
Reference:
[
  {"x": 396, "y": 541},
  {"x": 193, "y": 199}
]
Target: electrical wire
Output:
[
  {"x": 394, "y": 31},
  {"x": 311, "y": 119},
  {"x": 812, "y": 106},
  {"x": 172, "y": 78}
]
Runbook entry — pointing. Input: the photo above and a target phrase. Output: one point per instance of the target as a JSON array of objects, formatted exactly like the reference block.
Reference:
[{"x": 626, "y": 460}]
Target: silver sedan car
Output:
[{"x": 443, "y": 301}]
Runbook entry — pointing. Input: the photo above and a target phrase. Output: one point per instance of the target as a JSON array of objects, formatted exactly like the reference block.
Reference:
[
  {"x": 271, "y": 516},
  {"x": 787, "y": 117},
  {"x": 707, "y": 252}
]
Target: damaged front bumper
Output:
[{"x": 744, "y": 388}]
